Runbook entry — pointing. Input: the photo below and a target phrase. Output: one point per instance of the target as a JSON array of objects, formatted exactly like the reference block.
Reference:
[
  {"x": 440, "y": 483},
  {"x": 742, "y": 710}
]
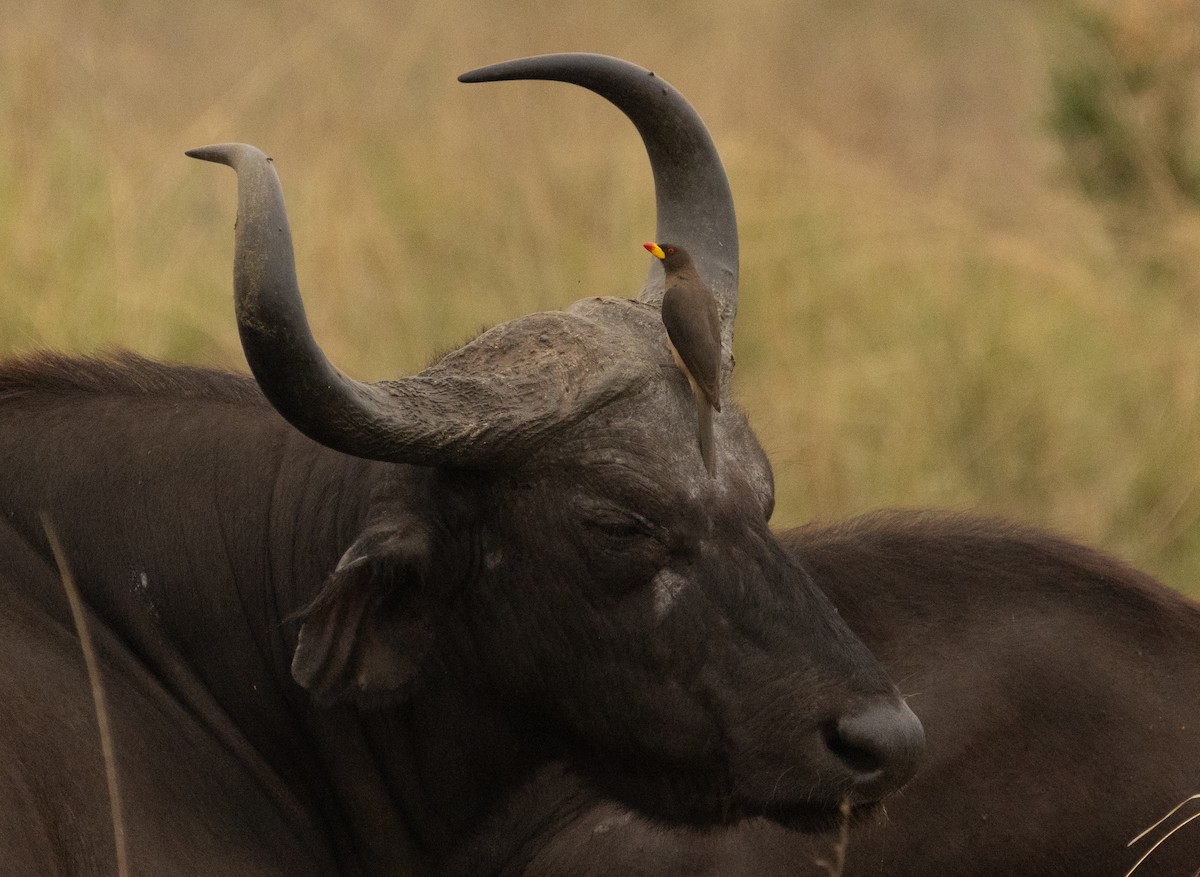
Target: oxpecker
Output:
[{"x": 690, "y": 313}]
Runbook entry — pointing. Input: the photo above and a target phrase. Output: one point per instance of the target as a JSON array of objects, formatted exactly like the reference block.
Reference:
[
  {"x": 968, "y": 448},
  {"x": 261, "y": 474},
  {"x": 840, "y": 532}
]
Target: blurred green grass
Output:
[{"x": 932, "y": 313}]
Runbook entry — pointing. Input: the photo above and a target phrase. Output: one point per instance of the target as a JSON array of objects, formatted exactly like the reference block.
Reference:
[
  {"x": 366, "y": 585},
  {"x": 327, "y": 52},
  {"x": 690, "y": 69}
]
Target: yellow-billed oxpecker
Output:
[{"x": 690, "y": 313}]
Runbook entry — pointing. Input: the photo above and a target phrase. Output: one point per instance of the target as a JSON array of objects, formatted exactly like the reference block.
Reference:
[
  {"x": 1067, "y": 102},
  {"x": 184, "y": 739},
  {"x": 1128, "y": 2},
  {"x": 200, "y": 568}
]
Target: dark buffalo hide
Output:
[{"x": 1059, "y": 690}]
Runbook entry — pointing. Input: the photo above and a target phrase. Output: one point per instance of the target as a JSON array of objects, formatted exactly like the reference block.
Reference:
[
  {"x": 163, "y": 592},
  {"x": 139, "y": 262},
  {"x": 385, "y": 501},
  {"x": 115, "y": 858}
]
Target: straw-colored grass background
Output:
[{"x": 933, "y": 313}]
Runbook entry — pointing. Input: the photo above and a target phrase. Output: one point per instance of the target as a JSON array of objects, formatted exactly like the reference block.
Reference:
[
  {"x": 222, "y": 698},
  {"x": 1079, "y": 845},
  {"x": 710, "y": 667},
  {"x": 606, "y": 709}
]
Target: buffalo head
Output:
[{"x": 546, "y": 537}]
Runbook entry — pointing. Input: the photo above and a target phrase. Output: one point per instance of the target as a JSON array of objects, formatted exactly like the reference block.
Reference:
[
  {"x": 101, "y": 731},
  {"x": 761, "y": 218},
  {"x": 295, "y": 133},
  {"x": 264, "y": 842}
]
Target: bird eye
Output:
[{"x": 670, "y": 251}]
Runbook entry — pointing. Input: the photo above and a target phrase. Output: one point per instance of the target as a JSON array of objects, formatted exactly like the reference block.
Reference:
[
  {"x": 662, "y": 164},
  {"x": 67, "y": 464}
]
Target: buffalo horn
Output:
[
  {"x": 488, "y": 403},
  {"x": 694, "y": 204}
]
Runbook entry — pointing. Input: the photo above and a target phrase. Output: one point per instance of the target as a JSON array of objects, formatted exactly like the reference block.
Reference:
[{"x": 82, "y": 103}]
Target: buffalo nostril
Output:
[{"x": 882, "y": 744}]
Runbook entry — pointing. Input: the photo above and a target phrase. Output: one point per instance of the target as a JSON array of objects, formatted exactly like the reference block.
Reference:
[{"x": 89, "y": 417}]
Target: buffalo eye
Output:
[
  {"x": 624, "y": 543},
  {"x": 617, "y": 524}
]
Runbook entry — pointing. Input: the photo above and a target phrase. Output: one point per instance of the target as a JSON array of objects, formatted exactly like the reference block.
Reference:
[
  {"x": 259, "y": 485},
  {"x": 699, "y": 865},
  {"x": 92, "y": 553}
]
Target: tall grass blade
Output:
[{"x": 98, "y": 696}]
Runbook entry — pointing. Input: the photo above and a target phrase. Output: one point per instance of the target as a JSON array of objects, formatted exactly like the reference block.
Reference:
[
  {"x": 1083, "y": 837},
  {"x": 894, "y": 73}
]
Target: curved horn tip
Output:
[
  {"x": 497, "y": 72},
  {"x": 227, "y": 153},
  {"x": 547, "y": 67}
]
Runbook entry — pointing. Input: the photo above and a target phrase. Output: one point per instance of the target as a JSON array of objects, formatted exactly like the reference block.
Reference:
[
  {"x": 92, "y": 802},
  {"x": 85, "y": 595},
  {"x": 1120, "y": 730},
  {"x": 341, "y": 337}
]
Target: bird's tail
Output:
[{"x": 705, "y": 418}]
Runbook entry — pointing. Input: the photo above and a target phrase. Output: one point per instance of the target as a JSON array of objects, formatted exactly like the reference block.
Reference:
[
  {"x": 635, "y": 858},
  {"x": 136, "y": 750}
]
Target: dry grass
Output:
[
  {"x": 836, "y": 863},
  {"x": 931, "y": 314},
  {"x": 1182, "y": 822},
  {"x": 99, "y": 697}
]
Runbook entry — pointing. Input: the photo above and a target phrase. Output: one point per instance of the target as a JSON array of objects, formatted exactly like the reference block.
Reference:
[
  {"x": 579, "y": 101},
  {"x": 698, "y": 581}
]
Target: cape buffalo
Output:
[
  {"x": 355, "y": 638},
  {"x": 1059, "y": 693}
]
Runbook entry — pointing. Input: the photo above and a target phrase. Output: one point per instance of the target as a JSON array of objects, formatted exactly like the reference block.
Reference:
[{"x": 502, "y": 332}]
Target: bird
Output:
[{"x": 692, "y": 318}]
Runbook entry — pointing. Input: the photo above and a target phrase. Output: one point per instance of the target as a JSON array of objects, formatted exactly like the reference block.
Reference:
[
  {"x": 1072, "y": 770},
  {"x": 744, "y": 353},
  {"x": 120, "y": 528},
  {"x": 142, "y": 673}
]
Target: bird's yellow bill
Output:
[{"x": 655, "y": 250}]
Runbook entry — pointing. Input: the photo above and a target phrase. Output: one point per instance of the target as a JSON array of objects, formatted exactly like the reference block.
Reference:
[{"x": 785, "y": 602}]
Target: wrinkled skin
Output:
[
  {"x": 1058, "y": 690},
  {"x": 1041, "y": 670},
  {"x": 516, "y": 672}
]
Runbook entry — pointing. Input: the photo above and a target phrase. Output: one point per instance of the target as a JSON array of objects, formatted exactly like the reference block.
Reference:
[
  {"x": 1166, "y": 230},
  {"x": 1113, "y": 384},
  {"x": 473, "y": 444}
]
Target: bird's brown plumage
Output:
[{"x": 693, "y": 322}]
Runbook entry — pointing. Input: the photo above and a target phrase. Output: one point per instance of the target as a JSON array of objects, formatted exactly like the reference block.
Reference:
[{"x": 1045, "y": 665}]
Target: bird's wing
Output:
[{"x": 689, "y": 313}]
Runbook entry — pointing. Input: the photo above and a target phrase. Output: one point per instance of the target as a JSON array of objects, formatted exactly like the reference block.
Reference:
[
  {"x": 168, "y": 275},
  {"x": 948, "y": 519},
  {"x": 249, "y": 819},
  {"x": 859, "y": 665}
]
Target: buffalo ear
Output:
[{"x": 367, "y": 633}]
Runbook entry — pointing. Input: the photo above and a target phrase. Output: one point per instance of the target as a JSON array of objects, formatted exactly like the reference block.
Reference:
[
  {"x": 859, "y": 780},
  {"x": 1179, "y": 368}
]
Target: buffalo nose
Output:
[{"x": 882, "y": 744}]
